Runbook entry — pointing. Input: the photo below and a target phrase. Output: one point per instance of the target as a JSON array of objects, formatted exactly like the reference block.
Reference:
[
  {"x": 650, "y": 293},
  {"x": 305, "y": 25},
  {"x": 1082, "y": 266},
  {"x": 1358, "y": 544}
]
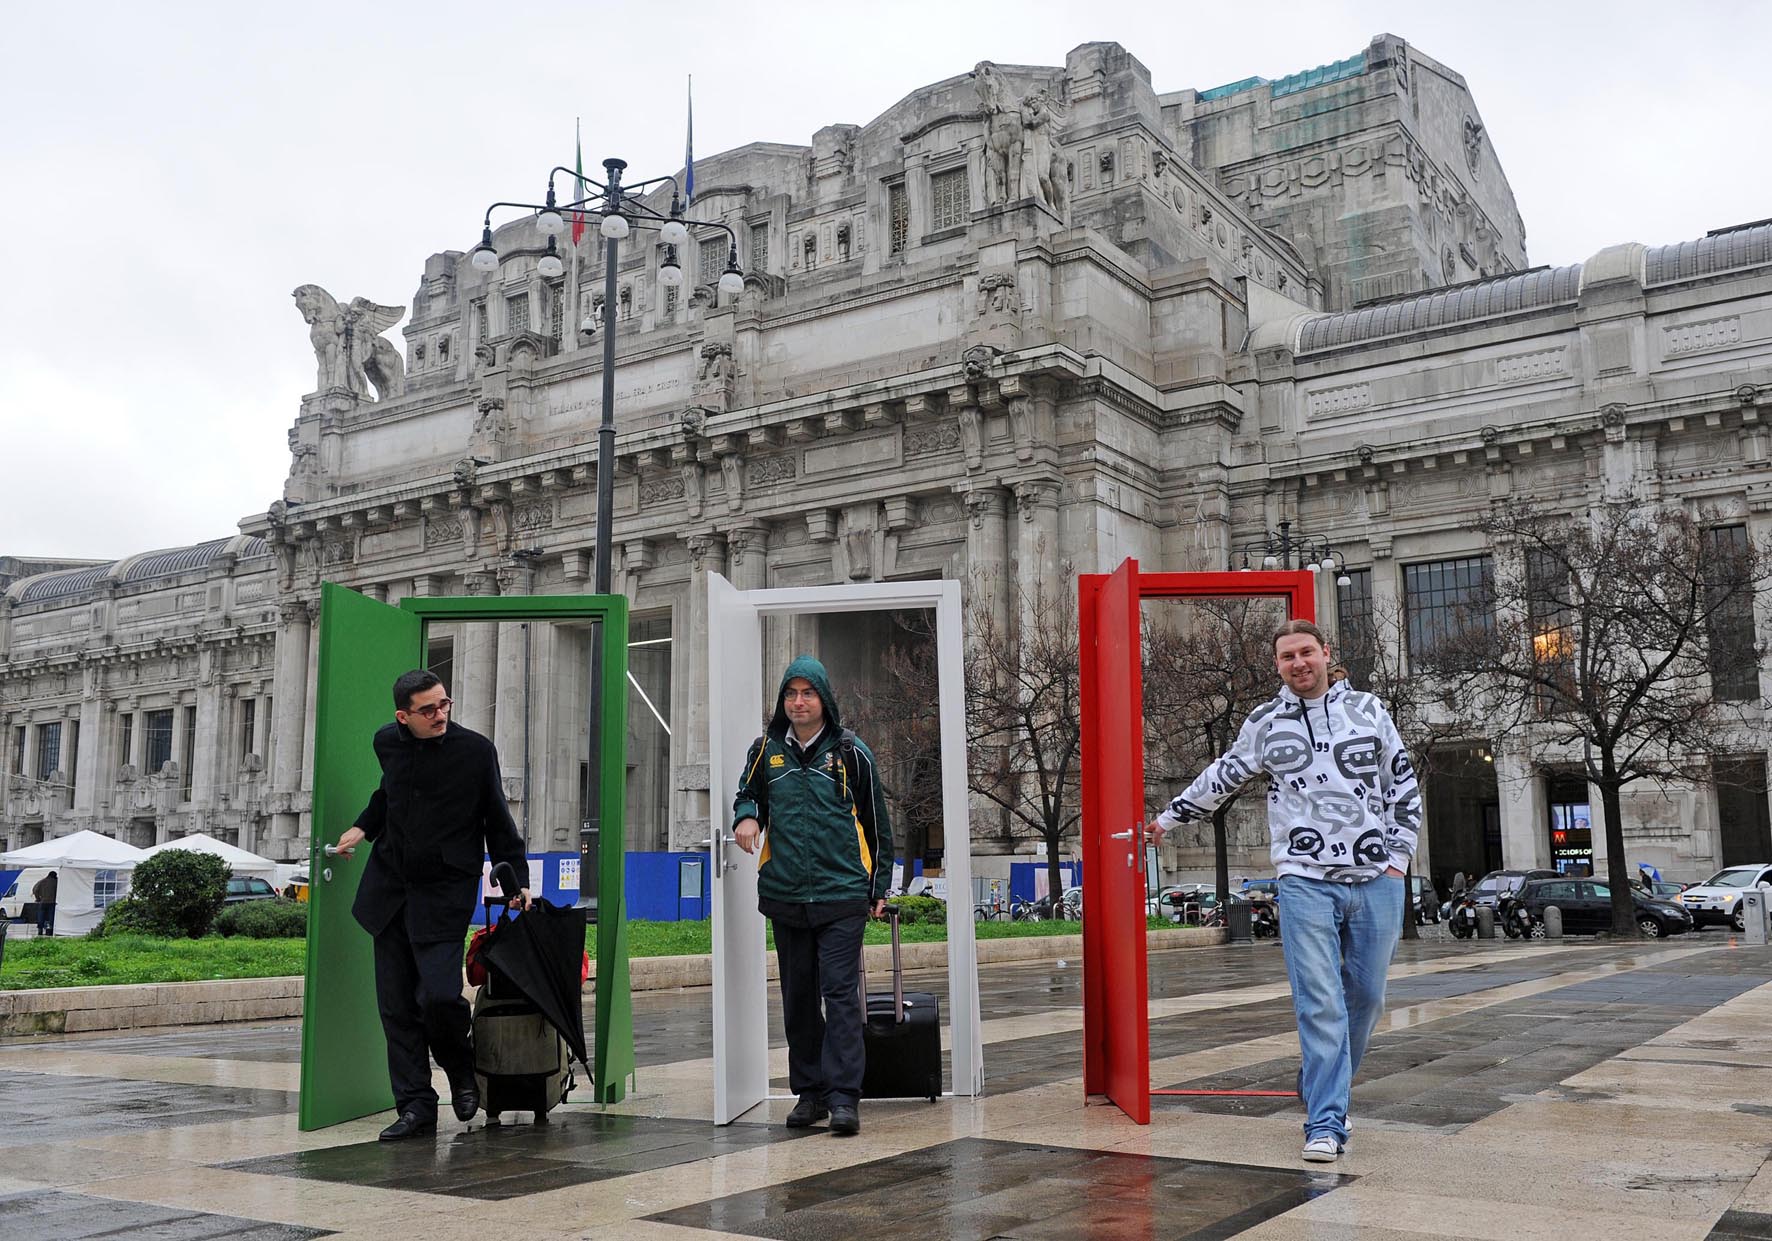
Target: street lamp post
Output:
[
  {"x": 620, "y": 208},
  {"x": 1276, "y": 550}
]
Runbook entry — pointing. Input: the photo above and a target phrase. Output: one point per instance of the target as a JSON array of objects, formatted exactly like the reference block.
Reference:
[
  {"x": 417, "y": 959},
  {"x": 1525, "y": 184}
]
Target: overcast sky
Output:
[{"x": 172, "y": 171}]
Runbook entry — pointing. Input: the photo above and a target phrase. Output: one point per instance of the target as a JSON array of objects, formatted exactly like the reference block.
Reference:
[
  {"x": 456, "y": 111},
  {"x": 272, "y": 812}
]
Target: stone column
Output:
[
  {"x": 289, "y": 732},
  {"x": 1525, "y": 839},
  {"x": 747, "y": 555},
  {"x": 89, "y": 765},
  {"x": 1037, "y": 580},
  {"x": 691, "y": 808},
  {"x": 518, "y": 715},
  {"x": 476, "y": 665},
  {"x": 987, "y": 585},
  {"x": 210, "y": 759}
]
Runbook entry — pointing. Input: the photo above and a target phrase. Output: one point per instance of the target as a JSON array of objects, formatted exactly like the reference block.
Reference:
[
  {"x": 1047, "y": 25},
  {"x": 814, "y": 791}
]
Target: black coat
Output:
[{"x": 439, "y": 811}]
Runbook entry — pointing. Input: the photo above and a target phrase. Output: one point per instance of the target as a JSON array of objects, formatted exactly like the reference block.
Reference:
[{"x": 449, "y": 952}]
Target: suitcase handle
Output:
[{"x": 893, "y": 913}]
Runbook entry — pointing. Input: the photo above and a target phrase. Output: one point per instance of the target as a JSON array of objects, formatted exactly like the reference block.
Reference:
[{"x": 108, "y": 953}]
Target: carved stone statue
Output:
[
  {"x": 716, "y": 365},
  {"x": 348, "y": 345},
  {"x": 996, "y": 294},
  {"x": 1003, "y": 134},
  {"x": 491, "y": 429},
  {"x": 1042, "y": 167}
]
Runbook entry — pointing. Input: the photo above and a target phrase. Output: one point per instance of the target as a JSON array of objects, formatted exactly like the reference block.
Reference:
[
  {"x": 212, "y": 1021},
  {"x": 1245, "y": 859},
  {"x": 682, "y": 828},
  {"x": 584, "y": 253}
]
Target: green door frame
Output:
[{"x": 377, "y": 635}]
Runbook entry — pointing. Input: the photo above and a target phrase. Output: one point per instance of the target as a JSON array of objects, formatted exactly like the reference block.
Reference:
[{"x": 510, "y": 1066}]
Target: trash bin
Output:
[{"x": 1239, "y": 922}]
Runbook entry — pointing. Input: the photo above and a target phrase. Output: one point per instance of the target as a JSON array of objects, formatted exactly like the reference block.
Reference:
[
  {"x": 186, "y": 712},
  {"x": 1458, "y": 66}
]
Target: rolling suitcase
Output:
[
  {"x": 901, "y": 1037},
  {"x": 520, "y": 1061}
]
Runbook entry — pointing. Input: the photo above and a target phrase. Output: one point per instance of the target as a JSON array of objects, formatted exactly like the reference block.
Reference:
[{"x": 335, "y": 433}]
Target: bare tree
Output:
[
  {"x": 900, "y": 717},
  {"x": 1625, "y": 635},
  {"x": 1024, "y": 721},
  {"x": 1202, "y": 678}
]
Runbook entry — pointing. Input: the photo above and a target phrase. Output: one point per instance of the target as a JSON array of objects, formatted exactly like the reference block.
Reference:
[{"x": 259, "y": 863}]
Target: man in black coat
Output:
[{"x": 439, "y": 810}]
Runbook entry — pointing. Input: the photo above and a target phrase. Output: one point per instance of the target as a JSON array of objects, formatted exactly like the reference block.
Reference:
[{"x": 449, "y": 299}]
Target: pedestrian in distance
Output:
[
  {"x": 43, "y": 892},
  {"x": 1343, "y": 809},
  {"x": 810, "y": 806},
  {"x": 439, "y": 810}
]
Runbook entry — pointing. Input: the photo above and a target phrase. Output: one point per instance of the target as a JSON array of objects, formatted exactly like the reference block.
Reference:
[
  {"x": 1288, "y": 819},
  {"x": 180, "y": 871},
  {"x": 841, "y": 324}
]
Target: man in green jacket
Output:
[{"x": 810, "y": 793}]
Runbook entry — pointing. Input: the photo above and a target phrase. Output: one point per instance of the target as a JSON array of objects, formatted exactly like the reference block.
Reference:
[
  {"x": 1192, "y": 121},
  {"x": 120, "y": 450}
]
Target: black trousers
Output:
[
  {"x": 822, "y": 1006},
  {"x": 418, "y": 989}
]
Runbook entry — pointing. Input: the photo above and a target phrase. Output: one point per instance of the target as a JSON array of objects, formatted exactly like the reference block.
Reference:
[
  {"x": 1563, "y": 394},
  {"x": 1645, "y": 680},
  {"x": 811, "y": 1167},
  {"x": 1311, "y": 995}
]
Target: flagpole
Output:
[{"x": 569, "y": 325}]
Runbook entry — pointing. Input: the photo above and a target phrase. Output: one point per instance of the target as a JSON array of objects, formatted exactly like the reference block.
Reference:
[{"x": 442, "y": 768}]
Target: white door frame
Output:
[{"x": 736, "y": 706}]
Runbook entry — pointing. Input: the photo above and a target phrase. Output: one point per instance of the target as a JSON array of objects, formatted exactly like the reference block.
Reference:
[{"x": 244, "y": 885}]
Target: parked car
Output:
[
  {"x": 1488, "y": 889},
  {"x": 249, "y": 888},
  {"x": 1717, "y": 900},
  {"x": 1665, "y": 890},
  {"x": 1586, "y": 906},
  {"x": 18, "y": 903}
]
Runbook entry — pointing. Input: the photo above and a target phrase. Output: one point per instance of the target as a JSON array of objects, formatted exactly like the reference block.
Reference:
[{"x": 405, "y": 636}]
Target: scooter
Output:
[
  {"x": 1264, "y": 920},
  {"x": 1515, "y": 921},
  {"x": 1463, "y": 922}
]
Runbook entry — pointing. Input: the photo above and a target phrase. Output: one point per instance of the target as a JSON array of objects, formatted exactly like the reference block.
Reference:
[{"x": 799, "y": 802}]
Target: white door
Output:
[{"x": 741, "y": 979}]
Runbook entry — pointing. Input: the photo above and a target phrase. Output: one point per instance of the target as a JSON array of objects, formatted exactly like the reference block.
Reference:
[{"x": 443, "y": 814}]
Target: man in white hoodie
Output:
[{"x": 1343, "y": 807}]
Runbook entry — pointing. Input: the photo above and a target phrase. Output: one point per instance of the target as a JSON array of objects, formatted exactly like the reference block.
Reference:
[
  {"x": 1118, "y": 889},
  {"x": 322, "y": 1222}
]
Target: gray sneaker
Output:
[{"x": 1324, "y": 1149}]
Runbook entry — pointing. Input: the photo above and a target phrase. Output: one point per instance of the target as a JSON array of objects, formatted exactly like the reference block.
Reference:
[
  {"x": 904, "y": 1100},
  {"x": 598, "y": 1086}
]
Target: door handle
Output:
[
  {"x": 1120, "y": 836},
  {"x": 332, "y": 851}
]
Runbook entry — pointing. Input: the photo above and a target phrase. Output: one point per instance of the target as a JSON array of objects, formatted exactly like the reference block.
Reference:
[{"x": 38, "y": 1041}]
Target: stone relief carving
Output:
[
  {"x": 491, "y": 428},
  {"x": 348, "y": 346},
  {"x": 692, "y": 486},
  {"x": 976, "y": 363},
  {"x": 942, "y": 437},
  {"x": 732, "y": 476},
  {"x": 658, "y": 491},
  {"x": 971, "y": 424},
  {"x": 1473, "y": 145},
  {"x": 772, "y": 470},
  {"x": 996, "y": 294}
]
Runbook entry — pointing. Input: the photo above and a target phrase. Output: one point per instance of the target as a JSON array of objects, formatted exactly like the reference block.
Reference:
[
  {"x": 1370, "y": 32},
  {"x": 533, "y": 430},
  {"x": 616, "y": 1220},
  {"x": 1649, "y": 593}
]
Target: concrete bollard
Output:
[
  {"x": 1485, "y": 922},
  {"x": 1553, "y": 922}
]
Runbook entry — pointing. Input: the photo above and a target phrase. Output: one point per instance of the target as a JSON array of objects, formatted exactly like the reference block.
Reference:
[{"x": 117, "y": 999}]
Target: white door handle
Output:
[
  {"x": 1120, "y": 836},
  {"x": 332, "y": 851}
]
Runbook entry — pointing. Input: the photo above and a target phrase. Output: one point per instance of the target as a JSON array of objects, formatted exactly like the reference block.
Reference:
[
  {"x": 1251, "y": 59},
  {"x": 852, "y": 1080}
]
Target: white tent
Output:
[
  {"x": 239, "y": 860},
  {"x": 89, "y": 867}
]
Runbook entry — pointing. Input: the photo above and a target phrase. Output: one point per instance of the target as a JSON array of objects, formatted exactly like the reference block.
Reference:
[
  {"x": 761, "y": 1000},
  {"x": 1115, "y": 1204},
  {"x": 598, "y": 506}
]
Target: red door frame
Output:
[{"x": 1116, "y": 987}]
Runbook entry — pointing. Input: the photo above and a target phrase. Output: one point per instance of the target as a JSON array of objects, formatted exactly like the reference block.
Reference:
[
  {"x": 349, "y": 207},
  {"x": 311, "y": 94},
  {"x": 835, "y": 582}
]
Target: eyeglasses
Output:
[{"x": 434, "y": 709}]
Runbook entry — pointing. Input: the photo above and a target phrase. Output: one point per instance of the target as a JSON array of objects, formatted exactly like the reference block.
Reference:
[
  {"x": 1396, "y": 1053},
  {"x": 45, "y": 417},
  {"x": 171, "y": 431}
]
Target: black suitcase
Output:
[{"x": 902, "y": 1037}]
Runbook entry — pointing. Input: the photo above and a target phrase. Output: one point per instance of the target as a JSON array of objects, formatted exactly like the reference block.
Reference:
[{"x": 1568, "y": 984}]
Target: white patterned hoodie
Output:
[{"x": 1342, "y": 802}]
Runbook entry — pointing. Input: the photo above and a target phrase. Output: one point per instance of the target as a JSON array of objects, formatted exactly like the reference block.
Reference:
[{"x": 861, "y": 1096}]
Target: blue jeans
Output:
[{"x": 1338, "y": 940}]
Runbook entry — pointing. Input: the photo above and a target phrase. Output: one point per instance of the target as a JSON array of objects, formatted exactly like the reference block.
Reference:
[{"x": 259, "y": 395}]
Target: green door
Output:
[{"x": 364, "y": 645}]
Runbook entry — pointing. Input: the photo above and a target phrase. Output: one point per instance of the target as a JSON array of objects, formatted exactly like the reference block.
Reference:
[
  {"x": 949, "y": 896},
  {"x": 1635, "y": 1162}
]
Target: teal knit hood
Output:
[{"x": 813, "y": 671}]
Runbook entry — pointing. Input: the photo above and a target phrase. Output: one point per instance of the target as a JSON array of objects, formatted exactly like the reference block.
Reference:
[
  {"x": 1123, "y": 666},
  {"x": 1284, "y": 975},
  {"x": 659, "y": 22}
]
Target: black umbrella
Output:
[{"x": 541, "y": 955}]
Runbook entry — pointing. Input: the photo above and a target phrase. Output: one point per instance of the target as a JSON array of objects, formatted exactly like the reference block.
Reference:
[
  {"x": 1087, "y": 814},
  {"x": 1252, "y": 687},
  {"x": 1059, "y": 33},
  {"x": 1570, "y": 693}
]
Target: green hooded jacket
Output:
[{"x": 826, "y": 834}]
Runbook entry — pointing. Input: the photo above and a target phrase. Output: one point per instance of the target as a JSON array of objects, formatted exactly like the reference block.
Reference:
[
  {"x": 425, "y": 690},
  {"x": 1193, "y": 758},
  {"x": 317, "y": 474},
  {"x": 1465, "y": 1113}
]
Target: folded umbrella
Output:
[{"x": 541, "y": 955}]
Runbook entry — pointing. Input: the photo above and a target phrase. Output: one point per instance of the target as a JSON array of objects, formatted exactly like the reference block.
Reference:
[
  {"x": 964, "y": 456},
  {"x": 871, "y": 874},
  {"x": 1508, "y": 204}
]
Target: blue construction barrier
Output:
[{"x": 1021, "y": 877}]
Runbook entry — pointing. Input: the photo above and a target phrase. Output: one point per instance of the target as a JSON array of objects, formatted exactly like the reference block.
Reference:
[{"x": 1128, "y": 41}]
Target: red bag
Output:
[{"x": 475, "y": 966}]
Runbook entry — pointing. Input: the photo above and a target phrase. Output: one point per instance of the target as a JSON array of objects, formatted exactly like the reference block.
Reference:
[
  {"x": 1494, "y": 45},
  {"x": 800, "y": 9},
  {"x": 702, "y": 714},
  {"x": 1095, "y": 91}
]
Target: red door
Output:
[{"x": 1116, "y": 1029}]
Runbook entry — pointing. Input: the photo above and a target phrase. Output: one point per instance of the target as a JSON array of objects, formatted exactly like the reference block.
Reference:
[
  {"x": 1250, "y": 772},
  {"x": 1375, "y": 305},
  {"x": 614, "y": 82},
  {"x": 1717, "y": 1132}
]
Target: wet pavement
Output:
[{"x": 1512, "y": 1091}]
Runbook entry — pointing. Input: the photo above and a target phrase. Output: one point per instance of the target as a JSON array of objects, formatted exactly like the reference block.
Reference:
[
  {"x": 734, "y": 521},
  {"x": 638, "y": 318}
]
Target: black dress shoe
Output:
[
  {"x": 845, "y": 1120},
  {"x": 465, "y": 1101},
  {"x": 807, "y": 1112},
  {"x": 410, "y": 1125}
]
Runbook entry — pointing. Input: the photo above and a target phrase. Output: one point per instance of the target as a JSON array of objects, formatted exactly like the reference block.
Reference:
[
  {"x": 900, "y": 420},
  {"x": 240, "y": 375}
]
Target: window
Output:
[
  {"x": 187, "y": 754},
  {"x": 49, "y": 749},
  {"x": 1447, "y": 603},
  {"x": 125, "y": 739},
  {"x": 18, "y": 751},
  {"x": 517, "y": 313},
  {"x": 73, "y": 755},
  {"x": 157, "y": 734},
  {"x": 898, "y": 215},
  {"x": 710, "y": 259},
  {"x": 440, "y": 659},
  {"x": 107, "y": 886},
  {"x": 950, "y": 200},
  {"x": 1354, "y": 632},
  {"x": 556, "y": 312},
  {"x": 248, "y": 725},
  {"x": 670, "y": 301},
  {"x": 759, "y": 247},
  {"x": 1550, "y": 609},
  {"x": 479, "y": 320},
  {"x": 1734, "y": 662}
]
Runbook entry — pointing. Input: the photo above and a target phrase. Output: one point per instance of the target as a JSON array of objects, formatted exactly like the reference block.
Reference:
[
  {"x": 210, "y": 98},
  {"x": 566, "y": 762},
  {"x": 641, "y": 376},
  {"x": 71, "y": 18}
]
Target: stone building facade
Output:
[{"x": 1029, "y": 320}]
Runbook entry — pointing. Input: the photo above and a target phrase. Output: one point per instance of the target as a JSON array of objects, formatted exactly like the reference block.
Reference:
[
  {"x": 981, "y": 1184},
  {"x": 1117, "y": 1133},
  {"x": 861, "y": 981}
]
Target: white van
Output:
[{"x": 12, "y": 904}]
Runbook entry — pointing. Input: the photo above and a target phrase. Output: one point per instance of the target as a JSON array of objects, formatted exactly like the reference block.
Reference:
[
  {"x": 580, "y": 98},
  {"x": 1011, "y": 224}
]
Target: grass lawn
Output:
[{"x": 33, "y": 962}]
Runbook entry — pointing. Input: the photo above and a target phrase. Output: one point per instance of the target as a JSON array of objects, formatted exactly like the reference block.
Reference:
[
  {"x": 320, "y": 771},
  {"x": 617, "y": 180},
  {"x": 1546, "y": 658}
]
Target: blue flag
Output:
[{"x": 689, "y": 149}]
